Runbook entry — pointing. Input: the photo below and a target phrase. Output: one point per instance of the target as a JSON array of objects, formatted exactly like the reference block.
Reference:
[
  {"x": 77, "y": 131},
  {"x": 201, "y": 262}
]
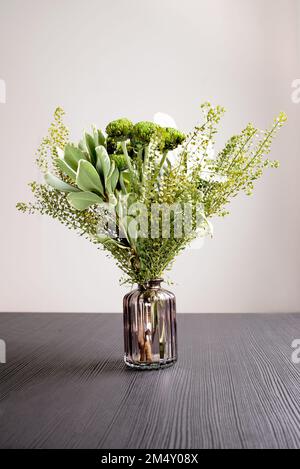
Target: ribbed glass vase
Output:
[{"x": 150, "y": 334}]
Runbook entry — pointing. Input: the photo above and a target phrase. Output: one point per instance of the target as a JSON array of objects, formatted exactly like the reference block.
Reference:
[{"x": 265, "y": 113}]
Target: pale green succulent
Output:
[{"x": 93, "y": 176}]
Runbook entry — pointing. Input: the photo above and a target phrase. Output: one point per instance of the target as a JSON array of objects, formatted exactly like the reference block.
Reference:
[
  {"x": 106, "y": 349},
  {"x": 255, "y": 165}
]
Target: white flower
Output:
[{"x": 164, "y": 120}]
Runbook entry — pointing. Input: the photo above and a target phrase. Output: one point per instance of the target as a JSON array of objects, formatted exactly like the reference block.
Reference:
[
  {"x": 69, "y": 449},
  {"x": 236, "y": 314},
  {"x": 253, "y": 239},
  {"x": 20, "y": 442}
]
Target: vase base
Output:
[{"x": 149, "y": 366}]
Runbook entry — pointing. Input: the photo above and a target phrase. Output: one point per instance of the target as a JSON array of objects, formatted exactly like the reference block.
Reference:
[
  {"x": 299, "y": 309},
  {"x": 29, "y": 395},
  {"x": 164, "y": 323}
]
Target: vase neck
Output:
[{"x": 151, "y": 284}]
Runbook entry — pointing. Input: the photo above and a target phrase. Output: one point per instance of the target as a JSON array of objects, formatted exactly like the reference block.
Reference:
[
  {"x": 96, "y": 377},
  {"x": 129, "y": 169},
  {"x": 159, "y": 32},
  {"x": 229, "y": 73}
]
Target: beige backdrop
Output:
[{"x": 102, "y": 59}]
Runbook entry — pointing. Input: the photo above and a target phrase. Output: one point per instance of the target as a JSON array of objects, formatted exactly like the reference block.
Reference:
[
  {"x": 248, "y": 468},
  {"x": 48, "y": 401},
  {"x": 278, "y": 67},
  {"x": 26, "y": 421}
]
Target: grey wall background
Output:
[{"x": 101, "y": 59}]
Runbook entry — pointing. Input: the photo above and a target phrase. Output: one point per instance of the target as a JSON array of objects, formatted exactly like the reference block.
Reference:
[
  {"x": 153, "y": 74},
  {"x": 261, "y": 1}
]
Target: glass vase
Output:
[{"x": 150, "y": 334}]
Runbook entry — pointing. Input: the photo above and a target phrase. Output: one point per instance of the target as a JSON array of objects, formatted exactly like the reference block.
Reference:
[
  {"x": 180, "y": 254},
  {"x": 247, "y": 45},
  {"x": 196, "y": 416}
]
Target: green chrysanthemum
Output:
[{"x": 119, "y": 130}]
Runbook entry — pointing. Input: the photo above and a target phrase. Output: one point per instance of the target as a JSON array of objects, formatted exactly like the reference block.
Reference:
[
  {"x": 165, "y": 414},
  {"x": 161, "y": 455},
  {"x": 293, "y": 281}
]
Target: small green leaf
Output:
[
  {"x": 73, "y": 155},
  {"x": 65, "y": 168},
  {"x": 95, "y": 135},
  {"x": 90, "y": 145},
  {"x": 82, "y": 145},
  {"x": 112, "y": 168},
  {"x": 128, "y": 228},
  {"x": 83, "y": 200},
  {"x": 101, "y": 137},
  {"x": 104, "y": 239},
  {"x": 58, "y": 184},
  {"x": 103, "y": 162},
  {"x": 125, "y": 181},
  {"x": 88, "y": 179},
  {"x": 114, "y": 179},
  {"x": 119, "y": 206},
  {"x": 131, "y": 228},
  {"x": 108, "y": 186}
]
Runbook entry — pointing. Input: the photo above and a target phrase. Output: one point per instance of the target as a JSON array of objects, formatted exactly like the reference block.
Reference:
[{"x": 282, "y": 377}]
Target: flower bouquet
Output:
[{"x": 143, "y": 193}]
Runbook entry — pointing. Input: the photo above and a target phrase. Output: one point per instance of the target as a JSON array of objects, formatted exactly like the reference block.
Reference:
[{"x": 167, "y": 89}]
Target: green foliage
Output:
[
  {"x": 73, "y": 155},
  {"x": 143, "y": 132},
  {"x": 58, "y": 184},
  {"x": 103, "y": 163},
  {"x": 119, "y": 129},
  {"x": 55, "y": 204},
  {"x": 87, "y": 178},
  {"x": 120, "y": 161},
  {"x": 130, "y": 168},
  {"x": 173, "y": 138},
  {"x": 65, "y": 168},
  {"x": 57, "y": 138},
  {"x": 83, "y": 200}
]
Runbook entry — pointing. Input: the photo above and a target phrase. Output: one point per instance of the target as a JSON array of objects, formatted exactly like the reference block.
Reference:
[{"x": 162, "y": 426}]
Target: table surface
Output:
[{"x": 64, "y": 384}]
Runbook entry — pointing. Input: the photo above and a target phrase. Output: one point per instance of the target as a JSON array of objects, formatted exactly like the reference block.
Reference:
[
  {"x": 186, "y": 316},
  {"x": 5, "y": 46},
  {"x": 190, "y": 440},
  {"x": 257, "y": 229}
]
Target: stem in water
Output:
[{"x": 145, "y": 337}]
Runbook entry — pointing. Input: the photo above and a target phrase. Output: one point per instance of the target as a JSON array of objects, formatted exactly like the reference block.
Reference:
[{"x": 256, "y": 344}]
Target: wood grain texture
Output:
[{"x": 65, "y": 386}]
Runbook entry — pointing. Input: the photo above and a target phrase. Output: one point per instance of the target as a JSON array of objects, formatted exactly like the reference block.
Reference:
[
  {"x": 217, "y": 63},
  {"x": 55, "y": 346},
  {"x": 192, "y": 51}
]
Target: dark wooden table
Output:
[{"x": 65, "y": 386}]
